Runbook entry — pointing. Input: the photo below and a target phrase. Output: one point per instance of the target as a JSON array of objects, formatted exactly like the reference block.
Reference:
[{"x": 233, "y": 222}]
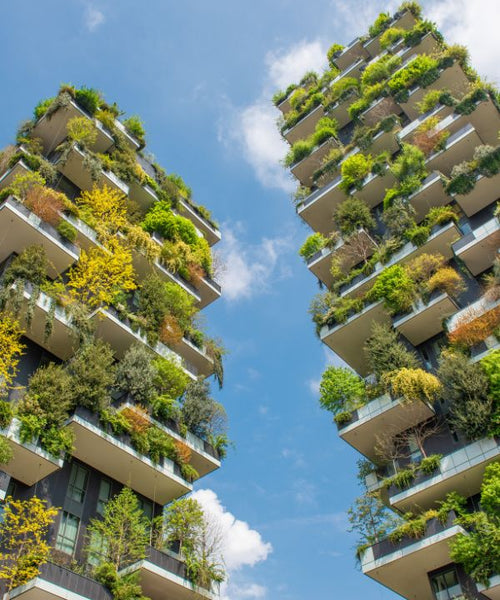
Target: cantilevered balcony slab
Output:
[
  {"x": 61, "y": 342},
  {"x": 383, "y": 414},
  {"x": 132, "y": 142},
  {"x": 441, "y": 112},
  {"x": 351, "y": 54},
  {"x": 339, "y": 110},
  {"x": 379, "y": 109},
  {"x": 347, "y": 339},
  {"x": 142, "y": 194},
  {"x": 374, "y": 186},
  {"x": 21, "y": 228},
  {"x": 486, "y": 191},
  {"x": 115, "y": 457},
  {"x": 318, "y": 208},
  {"x": 385, "y": 141},
  {"x": 479, "y": 248},
  {"x": 118, "y": 333},
  {"x": 452, "y": 79},
  {"x": 305, "y": 127},
  {"x": 471, "y": 312},
  {"x": 164, "y": 575},
  {"x": 197, "y": 357},
  {"x": 425, "y": 320},
  {"x": 492, "y": 590},
  {"x": 29, "y": 463},
  {"x": 438, "y": 242},
  {"x": 75, "y": 170},
  {"x": 52, "y": 129},
  {"x": 204, "y": 457},
  {"x": 208, "y": 229},
  {"x": 429, "y": 195},
  {"x": 427, "y": 45},
  {"x": 459, "y": 147},
  {"x": 305, "y": 168},
  {"x": 57, "y": 583},
  {"x": 320, "y": 263},
  {"x": 403, "y": 567},
  {"x": 8, "y": 178},
  {"x": 404, "y": 21},
  {"x": 461, "y": 471}
]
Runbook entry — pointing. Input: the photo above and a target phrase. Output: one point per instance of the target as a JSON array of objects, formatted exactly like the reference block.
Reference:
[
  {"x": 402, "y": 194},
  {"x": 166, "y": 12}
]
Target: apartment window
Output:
[
  {"x": 68, "y": 533},
  {"x": 147, "y": 508},
  {"x": 77, "y": 483},
  {"x": 445, "y": 585},
  {"x": 104, "y": 495}
]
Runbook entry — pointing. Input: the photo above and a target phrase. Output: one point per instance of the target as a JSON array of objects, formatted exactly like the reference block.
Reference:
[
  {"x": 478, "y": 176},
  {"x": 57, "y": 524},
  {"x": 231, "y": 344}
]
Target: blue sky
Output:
[{"x": 201, "y": 74}]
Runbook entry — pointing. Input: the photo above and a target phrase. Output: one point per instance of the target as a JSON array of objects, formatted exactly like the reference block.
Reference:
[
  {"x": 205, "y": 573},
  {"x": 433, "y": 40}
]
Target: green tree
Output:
[
  {"x": 182, "y": 523},
  {"x": 385, "y": 352},
  {"x": 341, "y": 390},
  {"x": 136, "y": 373},
  {"x": 23, "y": 532},
  {"x": 200, "y": 413}
]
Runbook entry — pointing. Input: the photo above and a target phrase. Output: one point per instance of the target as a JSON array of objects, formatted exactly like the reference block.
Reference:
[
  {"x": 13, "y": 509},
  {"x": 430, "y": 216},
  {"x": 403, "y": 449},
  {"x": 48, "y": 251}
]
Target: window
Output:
[
  {"x": 77, "y": 483},
  {"x": 97, "y": 549},
  {"x": 68, "y": 532},
  {"x": 104, "y": 494},
  {"x": 446, "y": 586},
  {"x": 146, "y": 507}
]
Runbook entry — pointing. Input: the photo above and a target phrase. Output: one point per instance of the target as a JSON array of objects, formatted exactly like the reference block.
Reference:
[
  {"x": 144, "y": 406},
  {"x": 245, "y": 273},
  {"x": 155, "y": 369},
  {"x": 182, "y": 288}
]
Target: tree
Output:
[
  {"x": 385, "y": 352},
  {"x": 136, "y": 373},
  {"x": 182, "y": 523},
  {"x": 92, "y": 371},
  {"x": 31, "y": 265},
  {"x": 23, "y": 533},
  {"x": 200, "y": 413},
  {"x": 11, "y": 349},
  {"x": 121, "y": 536},
  {"x": 100, "y": 274},
  {"x": 352, "y": 214},
  {"x": 413, "y": 385},
  {"x": 49, "y": 394},
  {"x": 105, "y": 210},
  {"x": 399, "y": 217},
  {"x": 465, "y": 388},
  {"x": 341, "y": 390},
  {"x": 170, "y": 379}
]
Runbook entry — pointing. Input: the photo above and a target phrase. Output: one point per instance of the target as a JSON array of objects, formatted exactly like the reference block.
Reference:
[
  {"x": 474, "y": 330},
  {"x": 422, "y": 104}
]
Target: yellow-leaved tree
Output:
[
  {"x": 11, "y": 349},
  {"x": 104, "y": 209},
  {"x": 101, "y": 273},
  {"x": 23, "y": 533}
]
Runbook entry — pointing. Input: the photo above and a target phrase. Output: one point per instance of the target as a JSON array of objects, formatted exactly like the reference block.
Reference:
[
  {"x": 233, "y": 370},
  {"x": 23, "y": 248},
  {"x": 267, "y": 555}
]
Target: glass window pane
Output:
[
  {"x": 68, "y": 533},
  {"x": 104, "y": 494},
  {"x": 77, "y": 483}
]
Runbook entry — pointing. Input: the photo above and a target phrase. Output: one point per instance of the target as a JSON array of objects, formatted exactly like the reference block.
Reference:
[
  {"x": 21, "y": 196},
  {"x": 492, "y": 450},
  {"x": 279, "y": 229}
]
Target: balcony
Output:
[
  {"x": 347, "y": 339},
  {"x": 76, "y": 171},
  {"x": 474, "y": 311},
  {"x": 195, "y": 356},
  {"x": 142, "y": 194},
  {"x": 86, "y": 237},
  {"x": 403, "y": 566},
  {"x": 305, "y": 168},
  {"x": 57, "y": 583},
  {"x": 441, "y": 111},
  {"x": 30, "y": 463},
  {"x": 491, "y": 591},
  {"x": 427, "y": 45},
  {"x": 320, "y": 263},
  {"x": 118, "y": 333},
  {"x": 21, "y": 228},
  {"x": 163, "y": 575},
  {"x": 385, "y": 141},
  {"x": 204, "y": 457},
  {"x": 485, "y": 192},
  {"x": 425, "y": 320},
  {"x": 461, "y": 471},
  {"x": 191, "y": 212},
  {"x": 403, "y": 21},
  {"x": 52, "y": 129},
  {"x": 7, "y": 178},
  {"x": 452, "y": 79},
  {"x": 430, "y": 194},
  {"x": 383, "y": 414},
  {"x": 129, "y": 138},
  {"x": 339, "y": 110},
  {"x": 115, "y": 457},
  {"x": 379, "y": 109},
  {"x": 439, "y": 241},
  {"x": 61, "y": 341},
  {"x": 317, "y": 210},
  {"x": 374, "y": 186},
  {"x": 459, "y": 147},
  {"x": 350, "y": 54},
  {"x": 479, "y": 248},
  {"x": 305, "y": 127}
]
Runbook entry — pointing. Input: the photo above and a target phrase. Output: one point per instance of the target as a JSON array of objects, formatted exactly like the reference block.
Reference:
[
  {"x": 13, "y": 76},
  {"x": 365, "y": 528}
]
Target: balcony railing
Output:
[
  {"x": 459, "y": 147},
  {"x": 484, "y": 193},
  {"x": 479, "y": 248},
  {"x": 57, "y": 583}
]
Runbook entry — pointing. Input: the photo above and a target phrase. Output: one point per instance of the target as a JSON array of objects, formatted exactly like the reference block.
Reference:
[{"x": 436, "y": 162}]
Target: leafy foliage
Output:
[{"x": 341, "y": 390}]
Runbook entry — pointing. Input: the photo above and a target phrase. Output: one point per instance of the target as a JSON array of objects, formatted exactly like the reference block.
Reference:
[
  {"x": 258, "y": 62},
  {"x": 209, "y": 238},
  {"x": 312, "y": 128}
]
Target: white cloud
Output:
[
  {"x": 241, "y": 547},
  {"x": 93, "y": 17},
  {"x": 473, "y": 25},
  {"x": 253, "y": 128},
  {"x": 249, "y": 268}
]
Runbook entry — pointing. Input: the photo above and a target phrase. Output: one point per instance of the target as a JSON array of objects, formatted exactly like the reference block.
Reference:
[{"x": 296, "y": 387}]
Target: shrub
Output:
[
  {"x": 413, "y": 73},
  {"x": 6, "y": 452},
  {"x": 41, "y": 108},
  {"x": 462, "y": 179},
  {"x": 447, "y": 280},
  {"x": 30, "y": 265},
  {"x": 6, "y": 414},
  {"x": 418, "y": 234},
  {"x": 385, "y": 353},
  {"x": 403, "y": 479},
  {"x": 380, "y": 70},
  {"x": 490, "y": 365},
  {"x": 49, "y": 396},
  {"x": 89, "y": 99},
  {"x": 351, "y": 215},
  {"x": 396, "y": 288},
  {"x": 135, "y": 373},
  {"x": 390, "y": 37},
  {"x": 381, "y": 23},
  {"x": 354, "y": 170},
  {"x": 413, "y": 384},
  {"x": 439, "y": 215},
  {"x": 45, "y": 203},
  {"x": 200, "y": 413},
  {"x": 298, "y": 152},
  {"x": 423, "y": 266},
  {"x": 431, "y": 463},
  {"x": 314, "y": 243},
  {"x": 399, "y": 218},
  {"x": 473, "y": 329},
  {"x": 332, "y": 53},
  {"x": 342, "y": 418},
  {"x": 170, "y": 379},
  {"x": 82, "y": 131},
  {"x": 135, "y": 127},
  {"x": 341, "y": 390},
  {"x": 411, "y": 162},
  {"x": 66, "y": 230},
  {"x": 430, "y": 100}
]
